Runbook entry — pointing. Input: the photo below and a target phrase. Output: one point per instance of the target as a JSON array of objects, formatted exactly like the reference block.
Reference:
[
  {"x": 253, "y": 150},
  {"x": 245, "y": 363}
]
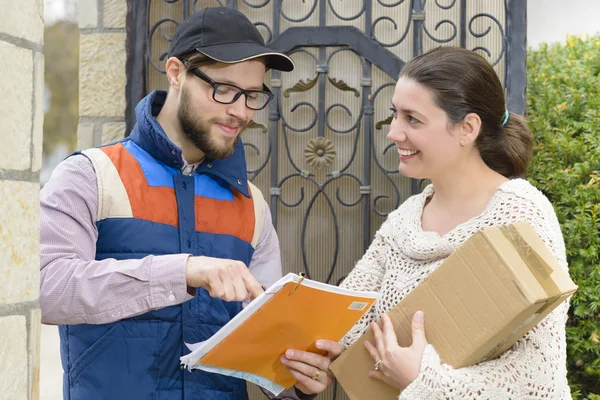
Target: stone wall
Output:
[
  {"x": 101, "y": 72},
  {"x": 22, "y": 114}
]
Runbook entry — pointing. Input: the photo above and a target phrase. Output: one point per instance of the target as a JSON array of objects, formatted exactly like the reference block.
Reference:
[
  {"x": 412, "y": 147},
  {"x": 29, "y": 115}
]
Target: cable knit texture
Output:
[{"x": 402, "y": 255}]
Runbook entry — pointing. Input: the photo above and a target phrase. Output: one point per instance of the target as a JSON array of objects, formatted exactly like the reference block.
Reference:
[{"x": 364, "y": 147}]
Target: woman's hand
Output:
[
  {"x": 397, "y": 366},
  {"x": 311, "y": 369}
]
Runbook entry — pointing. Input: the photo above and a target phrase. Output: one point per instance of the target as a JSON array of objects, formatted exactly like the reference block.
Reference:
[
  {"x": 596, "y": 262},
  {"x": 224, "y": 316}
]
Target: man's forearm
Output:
[{"x": 96, "y": 292}]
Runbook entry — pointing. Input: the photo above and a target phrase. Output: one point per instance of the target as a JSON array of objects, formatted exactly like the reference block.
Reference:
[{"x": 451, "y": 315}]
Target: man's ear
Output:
[
  {"x": 470, "y": 129},
  {"x": 176, "y": 72}
]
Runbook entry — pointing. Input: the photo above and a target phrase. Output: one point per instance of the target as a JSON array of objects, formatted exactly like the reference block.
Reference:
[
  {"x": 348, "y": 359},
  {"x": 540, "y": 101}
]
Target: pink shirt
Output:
[{"x": 76, "y": 289}]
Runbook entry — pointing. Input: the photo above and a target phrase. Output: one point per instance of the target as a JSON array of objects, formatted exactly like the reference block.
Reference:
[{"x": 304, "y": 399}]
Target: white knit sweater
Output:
[{"x": 402, "y": 255}]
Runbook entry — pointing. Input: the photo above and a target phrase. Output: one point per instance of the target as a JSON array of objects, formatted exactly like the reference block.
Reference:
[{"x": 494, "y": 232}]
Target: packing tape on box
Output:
[{"x": 538, "y": 267}]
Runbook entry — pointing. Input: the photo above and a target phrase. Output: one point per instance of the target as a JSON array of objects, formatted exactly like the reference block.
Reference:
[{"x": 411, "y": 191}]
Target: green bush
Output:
[{"x": 563, "y": 109}]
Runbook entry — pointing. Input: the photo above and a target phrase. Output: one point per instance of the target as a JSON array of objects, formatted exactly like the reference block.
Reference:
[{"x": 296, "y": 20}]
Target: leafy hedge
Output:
[{"x": 563, "y": 109}]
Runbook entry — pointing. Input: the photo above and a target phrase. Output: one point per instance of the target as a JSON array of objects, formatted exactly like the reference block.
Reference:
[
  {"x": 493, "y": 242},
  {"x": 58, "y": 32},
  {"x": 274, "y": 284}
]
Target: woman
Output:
[{"x": 451, "y": 126}]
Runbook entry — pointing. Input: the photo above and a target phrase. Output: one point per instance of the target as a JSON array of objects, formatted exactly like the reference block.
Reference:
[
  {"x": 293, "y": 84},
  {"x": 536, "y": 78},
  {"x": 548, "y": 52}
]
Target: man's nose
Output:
[{"x": 238, "y": 108}]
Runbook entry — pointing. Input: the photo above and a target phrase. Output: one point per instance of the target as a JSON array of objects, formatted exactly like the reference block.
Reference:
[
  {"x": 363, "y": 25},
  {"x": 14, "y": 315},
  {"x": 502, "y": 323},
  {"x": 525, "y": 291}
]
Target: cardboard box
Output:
[{"x": 477, "y": 303}]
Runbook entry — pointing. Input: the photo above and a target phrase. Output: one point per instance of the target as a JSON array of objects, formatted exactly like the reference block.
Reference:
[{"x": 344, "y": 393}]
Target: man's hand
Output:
[{"x": 224, "y": 279}]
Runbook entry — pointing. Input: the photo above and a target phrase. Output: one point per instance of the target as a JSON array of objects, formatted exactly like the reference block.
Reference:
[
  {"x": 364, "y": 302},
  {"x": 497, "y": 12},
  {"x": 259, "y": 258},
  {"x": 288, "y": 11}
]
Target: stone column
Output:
[
  {"x": 101, "y": 72},
  {"x": 22, "y": 114}
]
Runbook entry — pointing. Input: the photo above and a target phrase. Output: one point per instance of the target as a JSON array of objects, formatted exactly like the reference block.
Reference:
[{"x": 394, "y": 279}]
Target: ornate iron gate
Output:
[{"x": 319, "y": 151}]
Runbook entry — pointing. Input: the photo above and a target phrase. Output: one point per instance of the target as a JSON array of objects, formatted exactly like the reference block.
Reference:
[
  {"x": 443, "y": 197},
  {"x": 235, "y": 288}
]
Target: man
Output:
[{"x": 155, "y": 241}]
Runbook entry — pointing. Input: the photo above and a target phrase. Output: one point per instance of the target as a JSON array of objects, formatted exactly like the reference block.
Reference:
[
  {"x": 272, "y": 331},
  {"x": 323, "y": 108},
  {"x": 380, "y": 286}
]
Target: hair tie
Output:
[{"x": 505, "y": 117}]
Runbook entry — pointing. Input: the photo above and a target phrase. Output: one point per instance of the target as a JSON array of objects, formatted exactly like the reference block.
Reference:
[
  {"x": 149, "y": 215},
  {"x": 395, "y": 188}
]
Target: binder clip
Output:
[{"x": 302, "y": 276}]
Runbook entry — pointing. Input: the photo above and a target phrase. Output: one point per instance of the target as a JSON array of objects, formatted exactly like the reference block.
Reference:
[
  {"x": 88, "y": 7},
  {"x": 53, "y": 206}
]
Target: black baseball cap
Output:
[{"x": 225, "y": 35}]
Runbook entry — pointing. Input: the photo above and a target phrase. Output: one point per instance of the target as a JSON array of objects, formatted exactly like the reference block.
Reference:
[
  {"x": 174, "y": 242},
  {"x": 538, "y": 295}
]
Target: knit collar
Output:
[{"x": 407, "y": 229}]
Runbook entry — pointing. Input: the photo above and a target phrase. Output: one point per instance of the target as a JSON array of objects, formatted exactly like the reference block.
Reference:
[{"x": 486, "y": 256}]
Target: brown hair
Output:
[
  {"x": 463, "y": 82},
  {"x": 195, "y": 59}
]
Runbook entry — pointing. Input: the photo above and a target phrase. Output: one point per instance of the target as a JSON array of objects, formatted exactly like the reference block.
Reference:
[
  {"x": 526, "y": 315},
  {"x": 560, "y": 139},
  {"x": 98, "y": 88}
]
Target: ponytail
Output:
[{"x": 508, "y": 152}]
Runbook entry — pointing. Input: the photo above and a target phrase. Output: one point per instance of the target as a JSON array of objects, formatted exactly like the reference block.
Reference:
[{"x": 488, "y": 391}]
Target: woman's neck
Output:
[
  {"x": 458, "y": 196},
  {"x": 473, "y": 182}
]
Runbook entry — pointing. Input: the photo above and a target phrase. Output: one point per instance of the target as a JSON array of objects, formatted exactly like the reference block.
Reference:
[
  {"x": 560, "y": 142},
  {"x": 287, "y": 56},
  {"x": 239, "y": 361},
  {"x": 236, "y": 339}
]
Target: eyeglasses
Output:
[{"x": 226, "y": 93}]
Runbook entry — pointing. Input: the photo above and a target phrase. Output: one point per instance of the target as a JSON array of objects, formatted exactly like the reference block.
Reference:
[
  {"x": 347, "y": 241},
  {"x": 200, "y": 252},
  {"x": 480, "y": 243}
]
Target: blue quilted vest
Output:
[{"x": 147, "y": 207}]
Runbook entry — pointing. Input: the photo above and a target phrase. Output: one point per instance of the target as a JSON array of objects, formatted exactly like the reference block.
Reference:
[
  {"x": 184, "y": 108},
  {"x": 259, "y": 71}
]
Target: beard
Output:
[{"x": 198, "y": 130}]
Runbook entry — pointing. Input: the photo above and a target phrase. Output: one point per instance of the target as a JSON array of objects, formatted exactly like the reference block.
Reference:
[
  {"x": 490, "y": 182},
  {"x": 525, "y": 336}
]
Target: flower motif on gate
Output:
[{"x": 319, "y": 152}]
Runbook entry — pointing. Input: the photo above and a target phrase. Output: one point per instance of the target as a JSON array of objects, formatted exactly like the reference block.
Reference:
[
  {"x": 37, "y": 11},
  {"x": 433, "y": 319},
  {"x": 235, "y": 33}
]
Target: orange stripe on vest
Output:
[
  {"x": 235, "y": 218},
  {"x": 158, "y": 204},
  {"x": 155, "y": 204}
]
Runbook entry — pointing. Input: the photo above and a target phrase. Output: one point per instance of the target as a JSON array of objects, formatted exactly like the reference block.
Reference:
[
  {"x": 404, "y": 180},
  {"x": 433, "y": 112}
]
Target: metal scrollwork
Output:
[
  {"x": 379, "y": 125},
  {"x": 340, "y": 84},
  {"x": 301, "y": 19},
  {"x": 404, "y": 34},
  {"x": 437, "y": 26},
  {"x": 269, "y": 32},
  {"x": 448, "y": 7},
  {"x": 343, "y": 107},
  {"x": 486, "y": 32},
  {"x": 195, "y": 5},
  {"x": 303, "y": 51},
  {"x": 323, "y": 119},
  {"x": 301, "y": 199},
  {"x": 337, "y": 192},
  {"x": 386, "y": 172},
  {"x": 320, "y": 191},
  {"x": 390, "y": 5},
  {"x": 264, "y": 3},
  {"x": 376, "y": 200},
  {"x": 357, "y": 15},
  {"x": 319, "y": 152},
  {"x": 253, "y": 173},
  {"x": 307, "y": 127},
  {"x": 336, "y": 234},
  {"x": 157, "y": 26},
  {"x": 253, "y": 124},
  {"x": 301, "y": 86},
  {"x": 441, "y": 23},
  {"x": 383, "y": 169}
]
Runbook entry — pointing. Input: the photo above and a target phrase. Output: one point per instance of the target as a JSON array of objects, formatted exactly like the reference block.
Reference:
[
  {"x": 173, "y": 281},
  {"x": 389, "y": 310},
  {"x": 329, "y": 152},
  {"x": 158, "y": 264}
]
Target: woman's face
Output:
[{"x": 427, "y": 145}]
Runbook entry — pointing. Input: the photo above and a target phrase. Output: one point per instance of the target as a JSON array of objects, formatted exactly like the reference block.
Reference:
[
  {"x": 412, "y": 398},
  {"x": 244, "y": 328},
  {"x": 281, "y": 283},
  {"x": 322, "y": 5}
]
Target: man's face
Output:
[{"x": 212, "y": 127}]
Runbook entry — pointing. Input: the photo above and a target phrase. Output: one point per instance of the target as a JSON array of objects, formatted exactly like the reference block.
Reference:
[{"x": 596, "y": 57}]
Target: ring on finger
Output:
[
  {"x": 377, "y": 366},
  {"x": 316, "y": 375}
]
